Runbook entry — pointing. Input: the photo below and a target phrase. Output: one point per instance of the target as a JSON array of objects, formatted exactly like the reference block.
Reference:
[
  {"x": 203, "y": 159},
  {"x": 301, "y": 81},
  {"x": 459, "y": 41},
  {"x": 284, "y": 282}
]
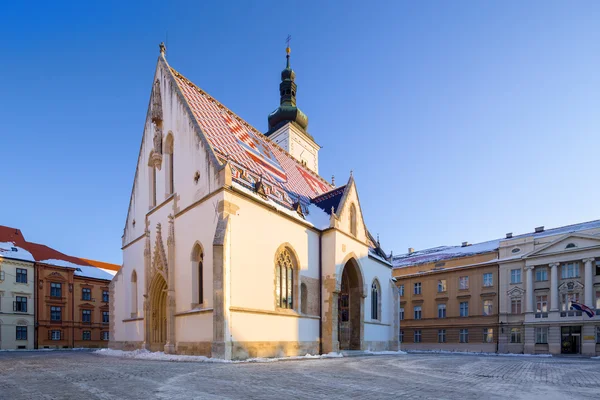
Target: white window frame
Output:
[
  {"x": 401, "y": 290},
  {"x": 541, "y": 303},
  {"x": 401, "y": 314},
  {"x": 514, "y": 301},
  {"x": 541, "y": 274},
  {"x": 541, "y": 335},
  {"x": 463, "y": 283},
  {"x": 515, "y": 276},
  {"x": 442, "y": 285},
  {"x": 515, "y": 335},
  {"x": 488, "y": 279},
  {"x": 488, "y": 307},
  {"x": 463, "y": 336},
  {"x": 416, "y": 335},
  {"x": 417, "y": 288},
  {"x": 569, "y": 270},
  {"x": 55, "y": 335},
  {"x": 417, "y": 309},
  {"x": 442, "y": 310},
  {"x": 488, "y": 335},
  {"x": 441, "y": 336},
  {"x": 464, "y": 310}
]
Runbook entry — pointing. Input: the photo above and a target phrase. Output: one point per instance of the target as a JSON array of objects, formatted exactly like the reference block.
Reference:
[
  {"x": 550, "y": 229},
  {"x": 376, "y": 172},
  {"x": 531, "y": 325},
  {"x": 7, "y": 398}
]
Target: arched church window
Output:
[
  {"x": 353, "y": 219},
  {"x": 134, "y": 296},
  {"x": 303, "y": 298},
  {"x": 197, "y": 274},
  {"x": 169, "y": 151},
  {"x": 375, "y": 300},
  {"x": 284, "y": 279}
]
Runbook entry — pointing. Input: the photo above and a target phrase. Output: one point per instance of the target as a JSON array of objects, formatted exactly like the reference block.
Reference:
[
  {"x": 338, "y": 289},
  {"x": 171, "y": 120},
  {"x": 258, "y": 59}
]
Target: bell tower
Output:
[{"x": 288, "y": 125}]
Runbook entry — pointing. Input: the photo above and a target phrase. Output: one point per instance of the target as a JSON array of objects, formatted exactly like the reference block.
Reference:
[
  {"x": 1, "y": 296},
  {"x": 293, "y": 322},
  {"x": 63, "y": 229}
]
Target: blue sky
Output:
[{"x": 461, "y": 120}]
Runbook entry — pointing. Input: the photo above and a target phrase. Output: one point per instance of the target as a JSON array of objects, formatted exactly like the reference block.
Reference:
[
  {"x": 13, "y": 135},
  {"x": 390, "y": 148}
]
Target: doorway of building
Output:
[
  {"x": 570, "y": 339},
  {"x": 349, "y": 308},
  {"x": 158, "y": 314}
]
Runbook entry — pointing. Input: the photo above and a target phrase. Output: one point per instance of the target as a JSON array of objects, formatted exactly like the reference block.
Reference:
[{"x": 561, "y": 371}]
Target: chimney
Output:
[
  {"x": 465, "y": 244},
  {"x": 539, "y": 229},
  {"x": 509, "y": 235},
  {"x": 411, "y": 250}
]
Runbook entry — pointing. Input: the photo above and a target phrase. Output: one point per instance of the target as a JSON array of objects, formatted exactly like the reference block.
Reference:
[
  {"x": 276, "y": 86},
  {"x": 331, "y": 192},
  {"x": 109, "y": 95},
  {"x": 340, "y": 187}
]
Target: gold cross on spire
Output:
[{"x": 287, "y": 41}]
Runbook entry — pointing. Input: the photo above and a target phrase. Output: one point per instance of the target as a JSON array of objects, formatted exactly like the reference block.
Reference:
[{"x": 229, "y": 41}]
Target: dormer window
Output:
[{"x": 516, "y": 250}]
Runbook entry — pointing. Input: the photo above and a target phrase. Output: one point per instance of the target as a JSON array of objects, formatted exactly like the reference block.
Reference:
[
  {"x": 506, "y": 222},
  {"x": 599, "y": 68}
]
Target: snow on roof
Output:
[
  {"x": 80, "y": 270},
  {"x": 11, "y": 250},
  {"x": 444, "y": 253},
  {"x": 447, "y": 252}
]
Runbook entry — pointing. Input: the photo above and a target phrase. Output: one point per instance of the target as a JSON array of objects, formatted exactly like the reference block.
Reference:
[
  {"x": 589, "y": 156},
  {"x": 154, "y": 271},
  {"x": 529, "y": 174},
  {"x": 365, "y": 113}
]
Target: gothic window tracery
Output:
[{"x": 284, "y": 279}]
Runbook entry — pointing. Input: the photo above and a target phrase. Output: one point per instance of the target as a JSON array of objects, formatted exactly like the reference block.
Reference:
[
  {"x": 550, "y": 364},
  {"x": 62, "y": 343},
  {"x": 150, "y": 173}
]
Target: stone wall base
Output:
[
  {"x": 194, "y": 348},
  {"x": 243, "y": 350},
  {"x": 467, "y": 347},
  {"x": 375, "y": 345},
  {"x": 125, "y": 346}
]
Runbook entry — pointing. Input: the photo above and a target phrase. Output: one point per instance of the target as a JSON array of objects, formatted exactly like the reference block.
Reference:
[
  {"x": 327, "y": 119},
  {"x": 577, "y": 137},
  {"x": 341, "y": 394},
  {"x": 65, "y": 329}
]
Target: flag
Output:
[{"x": 582, "y": 307}]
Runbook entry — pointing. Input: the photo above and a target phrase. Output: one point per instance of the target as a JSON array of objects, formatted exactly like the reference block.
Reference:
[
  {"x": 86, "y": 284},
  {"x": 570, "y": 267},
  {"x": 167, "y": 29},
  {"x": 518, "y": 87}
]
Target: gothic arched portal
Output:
[
  {"x": 350, "y": 307},
  {"x": 158, "y": 313}
]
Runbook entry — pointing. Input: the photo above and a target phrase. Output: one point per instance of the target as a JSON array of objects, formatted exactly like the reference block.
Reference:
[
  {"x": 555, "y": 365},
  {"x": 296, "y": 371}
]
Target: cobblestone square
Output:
[{"x": 85, "y": 375}]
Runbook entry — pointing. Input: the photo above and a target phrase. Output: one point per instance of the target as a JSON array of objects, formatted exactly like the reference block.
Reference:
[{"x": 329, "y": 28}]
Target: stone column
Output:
[
  {"x": 529, "y": 290},
  {"x": 554, "y": 287},
  {"x": 588, "y": 282},
  {"x": 171, "y": 340}
]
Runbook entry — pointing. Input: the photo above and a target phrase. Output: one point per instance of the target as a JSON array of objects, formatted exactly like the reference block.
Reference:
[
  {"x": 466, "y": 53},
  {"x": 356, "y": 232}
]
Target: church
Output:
[{"x": 235, "y": 247}]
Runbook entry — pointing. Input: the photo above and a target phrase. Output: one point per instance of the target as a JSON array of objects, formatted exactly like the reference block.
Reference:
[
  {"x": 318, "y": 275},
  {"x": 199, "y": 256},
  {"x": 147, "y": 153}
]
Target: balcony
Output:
[
  {"x": 541, "y": 315},
  {"x": 570, "y": 314}
]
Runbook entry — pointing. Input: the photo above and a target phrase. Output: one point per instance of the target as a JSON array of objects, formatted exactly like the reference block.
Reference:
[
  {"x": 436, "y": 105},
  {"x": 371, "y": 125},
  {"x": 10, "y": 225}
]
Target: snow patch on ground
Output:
[
  {"x": 160, "y": 356},
  {"x": 471, "y": 353},
  {"x": 386, "y": 353}
]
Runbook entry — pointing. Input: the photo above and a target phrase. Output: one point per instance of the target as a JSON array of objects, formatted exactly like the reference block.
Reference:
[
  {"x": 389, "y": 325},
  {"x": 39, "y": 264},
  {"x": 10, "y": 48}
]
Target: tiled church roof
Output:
[
  {"x": 330, "y": 199},
  {"x": 251, "y": 154}
]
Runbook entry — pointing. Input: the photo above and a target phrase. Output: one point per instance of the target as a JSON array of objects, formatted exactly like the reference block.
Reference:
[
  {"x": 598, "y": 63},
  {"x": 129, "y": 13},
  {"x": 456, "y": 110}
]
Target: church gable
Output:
[
  {"x": 349, "y": 213},
  {"x": 572, "y": 242}
]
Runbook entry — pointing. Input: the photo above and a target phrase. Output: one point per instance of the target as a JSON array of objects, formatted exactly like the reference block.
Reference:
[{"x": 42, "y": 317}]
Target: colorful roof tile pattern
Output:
[
  {"x": 330, "y": 199},
  {"x": 252, "y": 156}
]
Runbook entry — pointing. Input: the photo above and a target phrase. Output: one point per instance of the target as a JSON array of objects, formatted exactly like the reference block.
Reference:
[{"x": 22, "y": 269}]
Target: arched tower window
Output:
[
  {"x": 134, "y": 295},
  {"x": 284, "y": 279},
  {"x": 170, "y": 173},
  {"x": 197, "y": 275},
  {"x": 353, "y": 219},
  {"x": 375, "y": 300}
]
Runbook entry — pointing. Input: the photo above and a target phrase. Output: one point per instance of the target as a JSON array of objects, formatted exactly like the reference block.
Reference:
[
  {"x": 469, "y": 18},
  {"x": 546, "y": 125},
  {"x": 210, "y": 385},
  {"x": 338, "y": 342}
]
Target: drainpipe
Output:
[
  {"x": 36, "y": 295},
  {"x": 320, "y": 297},
  {"x": 73, "y": 311}
]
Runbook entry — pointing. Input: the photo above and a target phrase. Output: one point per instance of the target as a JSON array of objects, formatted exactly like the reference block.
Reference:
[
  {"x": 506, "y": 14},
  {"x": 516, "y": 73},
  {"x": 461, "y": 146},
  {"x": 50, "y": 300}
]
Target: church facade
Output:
[{"x": 235, "y": 247}]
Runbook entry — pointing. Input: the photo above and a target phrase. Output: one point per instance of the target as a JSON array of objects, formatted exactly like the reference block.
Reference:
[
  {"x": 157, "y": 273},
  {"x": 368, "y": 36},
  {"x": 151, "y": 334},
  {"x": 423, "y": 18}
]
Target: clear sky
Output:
[{"x": 461, "y": 120}]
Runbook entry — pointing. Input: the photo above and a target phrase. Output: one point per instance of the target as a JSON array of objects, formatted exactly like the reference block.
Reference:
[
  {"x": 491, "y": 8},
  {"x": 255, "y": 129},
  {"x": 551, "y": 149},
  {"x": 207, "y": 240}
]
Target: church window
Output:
[
  {"x": 169, "y": 146},
  {"x": 353, "y": 219},
  {"x": 134, "y": 308},
  {"x": 375, "y": 300},
  {"x": 197, "y": 274},
  {"x": 152, "y": 186},
  {"x": 284, "y": 277},
  {"x": 303, "y": 298}
]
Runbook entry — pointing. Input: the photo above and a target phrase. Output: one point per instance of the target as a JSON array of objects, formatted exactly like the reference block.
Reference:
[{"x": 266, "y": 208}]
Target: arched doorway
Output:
[
  {"x": 350, "y": 303},
  {"x": 158, "y": 313}
]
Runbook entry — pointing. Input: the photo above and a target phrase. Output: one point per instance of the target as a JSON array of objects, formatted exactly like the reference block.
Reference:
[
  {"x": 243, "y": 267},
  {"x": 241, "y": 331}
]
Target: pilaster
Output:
[
  {"x": 553, "y": 286},
  {"x": 170, "y": 344},
  {"x": 588, "y": 282}
]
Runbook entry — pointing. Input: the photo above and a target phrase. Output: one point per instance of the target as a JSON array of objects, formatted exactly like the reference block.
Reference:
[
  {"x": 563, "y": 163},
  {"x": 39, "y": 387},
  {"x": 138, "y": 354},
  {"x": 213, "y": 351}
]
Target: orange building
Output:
[{"x": 71, "y": 300}]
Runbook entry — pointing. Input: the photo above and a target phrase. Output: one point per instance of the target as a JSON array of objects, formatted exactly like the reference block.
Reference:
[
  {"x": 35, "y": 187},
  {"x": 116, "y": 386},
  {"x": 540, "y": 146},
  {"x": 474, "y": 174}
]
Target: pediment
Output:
[
  {"x": 515, "y": 292},
  {"x": 565, "y": 243},
  {"x": 349, "y": 210},
  {"x": 86, "y": 305},
  {"x": 570, "y": 286}
]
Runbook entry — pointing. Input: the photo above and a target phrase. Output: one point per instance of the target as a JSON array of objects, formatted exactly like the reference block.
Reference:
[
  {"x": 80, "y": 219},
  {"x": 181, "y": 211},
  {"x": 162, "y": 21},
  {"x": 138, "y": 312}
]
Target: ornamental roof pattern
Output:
[
  {"x": 252, "y": 156},
  {"x": 330, "y": 199}
]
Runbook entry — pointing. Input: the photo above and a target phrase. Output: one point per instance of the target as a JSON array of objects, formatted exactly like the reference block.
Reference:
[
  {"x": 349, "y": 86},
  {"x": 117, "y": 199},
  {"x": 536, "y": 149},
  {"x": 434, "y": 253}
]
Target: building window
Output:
[
  {"x": 487, "y": 307},
  {"x": 541, "y": 303},
  {"x": 463, "y": 282},
  {"x": 55, "y": 314},
  {"x": 105, "y": 296},
  {"x": 570, "y": 270},
  {"x": 105, "y": 317},
  {"x": 488, "y": 279},
  {"x": 55, "y": 335},
  {"x": 598, "y": 335},
  {"x": 570, "y": 246},
  {"x": 418, "y": 336},
  {"x": 104, "y": 335},
  {"x": 375, "y": 300},
  {"x": 55, "y": 289},
  {"x": 401, "y": 314},
  {"x": 86, "y": 335},
  {"x": 152, "y": 186},
  {"x": 169, "y": 146},
  {"x": 541, "y": 335},
  {"x": 417, "y": 288},
  {"x": 541, "y": 274},
  {"x": 417, "y": 312},
  {"x": 134, "y": 294},
  {"x": 597, "y": 267},
  {"x": 515, "y": 250},
  {"x": 86, "y": 316},
  {"x": 21, "y": 333},
  {"x": 284, "y": 271},
  {"x": 401, "y": 336},
  {"x": 353, "y": 219},
  {"x": 464, "y": 308},
  {"x": 441, "y": 285},
  {"x": 515, "y": 306},
  {"x": 197, "y": 274},
  {"x": 20, "y": 305},
  {"x": 515, "y": 276},
  {"x": 515, "y": 335},
  {"x": 567, "y": 299},
  {"x": 21, "y": 275},
  {"x": 401, "y": 290},
  {"x": 86, "y": 294},
  {"x": 597, "y": 300},
  {"x": 441, "y": 336},
  {"x": 441, "y": 311},
  {"x": 488, "y": 335},
  {"x": 463, "y": 336}
]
